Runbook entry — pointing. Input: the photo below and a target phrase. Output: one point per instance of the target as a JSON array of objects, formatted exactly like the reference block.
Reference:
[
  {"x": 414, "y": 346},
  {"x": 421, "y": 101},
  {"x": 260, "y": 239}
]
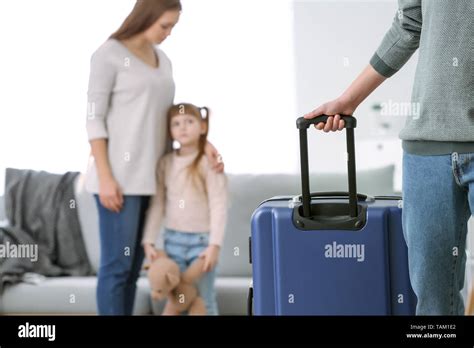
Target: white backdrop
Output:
[
  {"x": 334, "y": 41},
  {"x": 234, "y": 56}
]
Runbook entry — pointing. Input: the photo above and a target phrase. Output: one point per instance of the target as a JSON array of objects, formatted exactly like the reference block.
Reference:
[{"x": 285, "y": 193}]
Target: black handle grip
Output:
[{"x": 303, "y": 123}]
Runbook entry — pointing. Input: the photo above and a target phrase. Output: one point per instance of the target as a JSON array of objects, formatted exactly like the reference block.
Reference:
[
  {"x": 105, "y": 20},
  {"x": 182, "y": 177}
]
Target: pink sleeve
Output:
[{"x": 216, "y": 184}]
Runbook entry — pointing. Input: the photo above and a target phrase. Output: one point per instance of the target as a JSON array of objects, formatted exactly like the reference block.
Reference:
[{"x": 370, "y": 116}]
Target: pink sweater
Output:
[{"x": 184, "y": 204}]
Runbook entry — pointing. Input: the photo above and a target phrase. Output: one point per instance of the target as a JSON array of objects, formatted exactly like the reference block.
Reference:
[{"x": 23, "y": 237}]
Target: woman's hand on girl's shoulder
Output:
[{"x": 215, "y": 159}]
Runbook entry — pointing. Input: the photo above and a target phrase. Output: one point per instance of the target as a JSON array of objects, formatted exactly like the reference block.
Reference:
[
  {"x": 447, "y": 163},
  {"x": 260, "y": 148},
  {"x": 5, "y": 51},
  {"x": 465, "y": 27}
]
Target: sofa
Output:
[{"x": 38, "y": 295}]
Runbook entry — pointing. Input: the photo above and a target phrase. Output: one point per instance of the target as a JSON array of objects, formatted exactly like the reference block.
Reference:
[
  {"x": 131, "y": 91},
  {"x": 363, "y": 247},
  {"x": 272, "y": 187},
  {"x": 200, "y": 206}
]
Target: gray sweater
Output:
[
  {"x": 444, "y": 81},
  {"x": 127, "y": 104}
]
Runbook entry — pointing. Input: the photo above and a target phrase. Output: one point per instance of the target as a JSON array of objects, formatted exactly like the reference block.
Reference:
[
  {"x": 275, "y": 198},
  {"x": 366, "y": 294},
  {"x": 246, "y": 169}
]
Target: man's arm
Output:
[{"x": 401, "y": 40}]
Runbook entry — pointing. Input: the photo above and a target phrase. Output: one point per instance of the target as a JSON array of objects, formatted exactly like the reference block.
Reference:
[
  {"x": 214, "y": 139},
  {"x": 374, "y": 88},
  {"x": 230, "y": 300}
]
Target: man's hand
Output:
[{"x": 333, "y": 108}]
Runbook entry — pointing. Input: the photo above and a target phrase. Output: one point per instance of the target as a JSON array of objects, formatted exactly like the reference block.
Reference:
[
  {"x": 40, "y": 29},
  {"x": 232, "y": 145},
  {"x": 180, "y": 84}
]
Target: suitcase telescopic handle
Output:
[{"x": 350, "y": 123}]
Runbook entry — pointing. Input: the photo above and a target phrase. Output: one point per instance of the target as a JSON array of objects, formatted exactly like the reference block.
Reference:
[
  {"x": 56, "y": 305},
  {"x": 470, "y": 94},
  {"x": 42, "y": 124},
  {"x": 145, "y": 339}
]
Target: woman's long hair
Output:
[
  {"x": 143, "y": 15},
  {"x": 202, "y": 114}
]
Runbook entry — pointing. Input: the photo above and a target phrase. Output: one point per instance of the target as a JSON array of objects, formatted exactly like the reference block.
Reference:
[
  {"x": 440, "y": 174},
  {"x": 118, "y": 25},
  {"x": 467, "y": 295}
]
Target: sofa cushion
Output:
[
  {"x": 64, "y": 295},
  {"x": 77, "y": 295},
  {"x": 232, "y": 295}
]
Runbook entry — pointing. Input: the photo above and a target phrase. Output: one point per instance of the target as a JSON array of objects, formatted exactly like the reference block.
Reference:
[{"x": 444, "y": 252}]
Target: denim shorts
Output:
[{"x": 184, "y": 248}]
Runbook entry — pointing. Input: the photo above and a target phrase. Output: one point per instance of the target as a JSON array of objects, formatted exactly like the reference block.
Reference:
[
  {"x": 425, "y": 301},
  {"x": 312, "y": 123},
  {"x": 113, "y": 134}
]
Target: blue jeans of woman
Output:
[
  {"x": 184, "y": 248},
  {"x": 438, "y": 199},
  {"x": 121, "y": 255}
]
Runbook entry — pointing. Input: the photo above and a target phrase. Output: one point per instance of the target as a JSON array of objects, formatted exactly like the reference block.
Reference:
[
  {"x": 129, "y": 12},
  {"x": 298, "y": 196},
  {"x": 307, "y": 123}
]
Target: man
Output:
[{"x": 438, "y": 142}]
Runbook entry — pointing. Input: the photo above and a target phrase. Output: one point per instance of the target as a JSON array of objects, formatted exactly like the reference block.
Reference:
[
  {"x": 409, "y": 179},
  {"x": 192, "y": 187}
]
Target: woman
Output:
[
  {"x": 438, "y": 144},
  {"x": 131, "y": 88}
]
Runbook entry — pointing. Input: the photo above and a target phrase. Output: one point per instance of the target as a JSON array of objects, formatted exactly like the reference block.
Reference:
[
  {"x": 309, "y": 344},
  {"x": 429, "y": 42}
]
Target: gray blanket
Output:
[{"x": 43, "y": 234}]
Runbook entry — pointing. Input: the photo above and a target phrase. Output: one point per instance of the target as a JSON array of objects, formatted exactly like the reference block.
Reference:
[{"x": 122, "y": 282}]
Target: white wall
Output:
[
  {"x": 334, "y": 41},
  {"x": 44, "y": 69},
  {"x": 234, "y": 56}
]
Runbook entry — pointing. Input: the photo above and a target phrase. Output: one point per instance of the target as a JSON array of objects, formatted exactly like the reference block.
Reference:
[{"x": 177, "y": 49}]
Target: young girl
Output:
[{"x": 191, "y": 198}]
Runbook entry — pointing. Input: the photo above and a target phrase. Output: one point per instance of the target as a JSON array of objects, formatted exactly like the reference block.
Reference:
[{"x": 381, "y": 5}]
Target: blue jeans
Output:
[
  {"x": 438, "y": 199},
  {"x": 121, "y": 255},
  {"x": 184, "y": 248}
]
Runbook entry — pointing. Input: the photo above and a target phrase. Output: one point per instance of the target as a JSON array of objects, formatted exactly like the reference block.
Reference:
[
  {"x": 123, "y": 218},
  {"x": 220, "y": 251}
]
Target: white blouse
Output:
[{"x": 127, "y": 104}]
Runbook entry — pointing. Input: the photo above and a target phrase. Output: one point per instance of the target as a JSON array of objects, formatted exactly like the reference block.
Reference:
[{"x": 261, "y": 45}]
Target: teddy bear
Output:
[{"x": 167, "y": 282}]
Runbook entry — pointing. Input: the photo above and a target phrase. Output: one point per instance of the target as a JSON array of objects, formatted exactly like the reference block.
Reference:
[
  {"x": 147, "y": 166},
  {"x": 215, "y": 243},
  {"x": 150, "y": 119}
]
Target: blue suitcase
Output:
[{"x": 331, "y": 253}]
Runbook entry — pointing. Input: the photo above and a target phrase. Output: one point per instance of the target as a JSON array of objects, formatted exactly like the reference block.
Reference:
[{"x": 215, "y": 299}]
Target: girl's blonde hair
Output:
[{"x": 202, "y": 114}]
